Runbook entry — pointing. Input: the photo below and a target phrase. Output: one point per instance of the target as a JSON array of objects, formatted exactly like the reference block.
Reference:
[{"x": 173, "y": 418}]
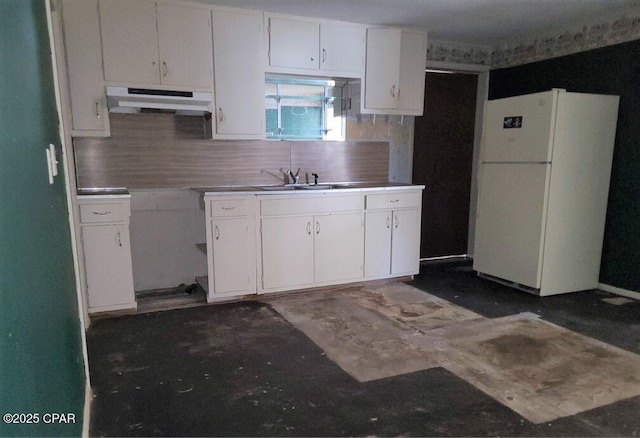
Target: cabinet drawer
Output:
[
  {"x": 393, "y": 200},
  {"x": 311, "y": 205},
  {"x": 229, "y": 207},
  {"x": 91, "y": 213}
]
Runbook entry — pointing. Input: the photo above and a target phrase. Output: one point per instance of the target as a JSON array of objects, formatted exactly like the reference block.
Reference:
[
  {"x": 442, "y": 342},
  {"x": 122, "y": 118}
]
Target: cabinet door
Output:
[
  {"x": 107, "y": 255},
  {"x": 231, "y": 258},
  {"x": 413, "y": 58},
  {"x": 405, "y": 242},
  {"x": 293, "y": 43},
  {"x": 184, "y": 39},
  {"x": 377, "y": 244},
  {"x": 342, "y": 48},
  {"x": 129, "y": 41},
  {"x": 287, "y": 252},
  {"x": 239, "y": 73},
  {"x": 84, "y": 67},
  {"x": 339, "y": 247},
  {"x": 382, "y": 73}
]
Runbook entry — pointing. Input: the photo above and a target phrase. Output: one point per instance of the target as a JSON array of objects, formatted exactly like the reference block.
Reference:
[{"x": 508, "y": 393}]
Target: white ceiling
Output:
[{"x": 479, "y": 22}]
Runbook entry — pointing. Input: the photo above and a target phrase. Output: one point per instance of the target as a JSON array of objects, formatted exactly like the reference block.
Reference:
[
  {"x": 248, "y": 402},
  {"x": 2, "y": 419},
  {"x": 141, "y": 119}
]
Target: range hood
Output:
[{"x": 133, "y": 100}]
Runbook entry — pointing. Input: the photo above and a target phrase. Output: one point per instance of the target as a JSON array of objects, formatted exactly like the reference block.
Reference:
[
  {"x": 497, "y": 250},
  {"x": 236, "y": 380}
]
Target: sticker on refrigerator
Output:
[{"x": 512, "y": 122}]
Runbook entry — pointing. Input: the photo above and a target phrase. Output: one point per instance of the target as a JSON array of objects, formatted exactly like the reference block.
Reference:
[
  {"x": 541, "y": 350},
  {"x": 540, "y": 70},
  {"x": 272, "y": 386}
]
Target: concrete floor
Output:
[{"x": 244, "y": 370}]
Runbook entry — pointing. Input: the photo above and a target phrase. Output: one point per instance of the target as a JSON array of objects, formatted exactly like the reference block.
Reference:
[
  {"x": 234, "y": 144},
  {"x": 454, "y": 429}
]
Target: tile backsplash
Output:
[{"x": 167, "y": 151}]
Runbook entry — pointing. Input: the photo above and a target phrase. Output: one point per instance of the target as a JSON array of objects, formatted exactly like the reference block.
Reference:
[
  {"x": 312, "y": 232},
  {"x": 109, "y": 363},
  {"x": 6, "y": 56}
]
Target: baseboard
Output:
[
  {"x": 619, "y": 291},
  {"x": 86, "y": 416}
]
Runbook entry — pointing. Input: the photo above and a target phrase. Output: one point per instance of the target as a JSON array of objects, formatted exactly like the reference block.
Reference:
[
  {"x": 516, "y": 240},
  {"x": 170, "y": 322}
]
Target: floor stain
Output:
[
  {"x": 517, "y": 349},
  {"x": 538, "y": 369}
]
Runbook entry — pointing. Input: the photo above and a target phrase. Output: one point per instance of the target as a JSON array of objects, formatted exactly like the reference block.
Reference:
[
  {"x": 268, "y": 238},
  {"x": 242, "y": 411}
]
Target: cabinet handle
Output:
[
  {"x": 397, "y": 221},
  {"x": 97, "y": 110},
  {"x": 220, "y": 115},
  {"x": 317, "y": 227},
  {"x": 165, "y": 69},
  {"x": 309, "y": 228},
  {"x": 101, "y": 213},
  {"x": 118, "y": 239},
  {"x": 228, "y": 208},
  {"x": 388, "y": 221},
  {"x": 324, "y": 55},
  {"x": 217, "y": 233},
  {"x": 393, "y": 201},
  {"x": 393, "y": 91}
]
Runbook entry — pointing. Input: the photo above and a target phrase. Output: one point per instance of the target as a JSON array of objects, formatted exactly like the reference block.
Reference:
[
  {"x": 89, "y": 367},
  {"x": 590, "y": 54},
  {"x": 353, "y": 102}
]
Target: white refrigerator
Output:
[{"x": 543, "y": 184}]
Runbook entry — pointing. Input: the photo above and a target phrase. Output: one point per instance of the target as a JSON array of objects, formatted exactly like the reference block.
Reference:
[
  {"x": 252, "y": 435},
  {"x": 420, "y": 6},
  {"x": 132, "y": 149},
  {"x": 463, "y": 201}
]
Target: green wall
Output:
[
  {"x": 609, "y": 70},
  {"x": 41, "y": 362}
]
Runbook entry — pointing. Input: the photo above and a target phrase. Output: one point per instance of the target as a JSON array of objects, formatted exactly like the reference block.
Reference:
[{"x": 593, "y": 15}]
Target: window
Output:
[{"x": 303, "y": 108}]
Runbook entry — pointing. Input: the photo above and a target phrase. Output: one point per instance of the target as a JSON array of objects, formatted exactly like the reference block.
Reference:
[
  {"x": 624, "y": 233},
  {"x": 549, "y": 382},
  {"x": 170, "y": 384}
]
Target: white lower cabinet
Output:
[
  {"x": 392, "y": 237},
  {"x": 405, "y": 242},
  {"x": 304, "y": 251},
  {"x": 107, "y": 254},
  {"x": 287, "y": 252},
  {"x": 231, "y": 258},
  {"x": 278, "y": 242},
  {"x": 377, "y": 262},
  {"x": 339, "y": 247},
  {"x": 230, "y": 247},
  {"x": 311, "y": 240}
]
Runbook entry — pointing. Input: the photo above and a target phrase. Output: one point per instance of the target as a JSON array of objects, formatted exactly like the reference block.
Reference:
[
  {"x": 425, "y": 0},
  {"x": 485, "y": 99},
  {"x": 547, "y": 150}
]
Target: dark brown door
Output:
[{"x": 442, "y": 158}]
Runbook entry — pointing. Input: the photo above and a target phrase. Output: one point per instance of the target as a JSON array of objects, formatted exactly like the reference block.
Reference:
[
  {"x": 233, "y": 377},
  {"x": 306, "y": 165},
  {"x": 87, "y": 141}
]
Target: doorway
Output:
[{"x": 442, "y": 161}]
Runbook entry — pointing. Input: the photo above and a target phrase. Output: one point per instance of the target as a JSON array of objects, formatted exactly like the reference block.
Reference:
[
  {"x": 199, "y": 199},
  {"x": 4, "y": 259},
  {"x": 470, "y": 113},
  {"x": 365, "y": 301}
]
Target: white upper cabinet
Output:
[
  {"x": 184, "y": 40},
  {"x": 382, "y": 73},
  {"x": 84, "y": 68},
  {"x": 342, "y": 48},
  {"x": 394, "y": 72},
  {"x": 293, "y": 43},
  {"x": 413, "y": 58},
  {"x": 129, "y": 41},
  {"x": 310, "y": 46},
  {"x": 238, "y": 74},
  {"x": 156, "y": 44}
]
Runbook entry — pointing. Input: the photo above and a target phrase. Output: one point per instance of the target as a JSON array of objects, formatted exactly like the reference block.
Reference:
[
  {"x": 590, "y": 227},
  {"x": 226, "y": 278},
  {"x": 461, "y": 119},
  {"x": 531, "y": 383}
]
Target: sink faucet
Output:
[
  {"x": 315, "y": 178},
  {"x": 294, "y": 176}
]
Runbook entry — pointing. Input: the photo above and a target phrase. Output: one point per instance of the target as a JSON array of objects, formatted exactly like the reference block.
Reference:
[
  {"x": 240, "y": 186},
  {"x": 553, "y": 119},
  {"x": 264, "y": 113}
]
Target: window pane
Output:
[
  {"x": 298, "y": 108},
  {"x": 271, "y": 121},
  {"x": 301, "y": 121}
]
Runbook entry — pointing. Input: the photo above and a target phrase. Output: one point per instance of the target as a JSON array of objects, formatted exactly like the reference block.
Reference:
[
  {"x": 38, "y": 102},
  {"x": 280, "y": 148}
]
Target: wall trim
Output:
[
  {"x": 619, "y": 291},
  {"x": 457, "y": 67},
  {"x": 459, "y": 53},
  {"x": 86, "y": 416},
  {"x": 54, "y": 29},
  {"x": 607, "y": 30}
]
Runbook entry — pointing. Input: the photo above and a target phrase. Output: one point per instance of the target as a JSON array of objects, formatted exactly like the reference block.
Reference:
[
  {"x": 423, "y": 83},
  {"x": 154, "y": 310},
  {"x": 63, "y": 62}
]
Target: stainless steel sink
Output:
[
  {"x": 287, "y": 187},
  {"x": 318, "y": 187},
  {"x": 277, "y": 188}
]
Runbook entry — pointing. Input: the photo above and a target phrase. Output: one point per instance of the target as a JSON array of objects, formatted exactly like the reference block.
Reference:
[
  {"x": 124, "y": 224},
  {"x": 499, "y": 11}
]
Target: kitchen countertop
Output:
[
  {"x": 336, "y": 187},
  {"x": 104, "y": 193},
  {"x": 123, "y": 193}
]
